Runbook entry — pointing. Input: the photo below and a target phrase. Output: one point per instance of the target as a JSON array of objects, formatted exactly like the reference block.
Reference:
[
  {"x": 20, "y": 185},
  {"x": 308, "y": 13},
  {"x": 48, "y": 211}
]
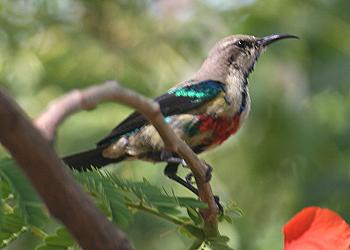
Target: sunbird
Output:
[{"x": 204, "y": 111}]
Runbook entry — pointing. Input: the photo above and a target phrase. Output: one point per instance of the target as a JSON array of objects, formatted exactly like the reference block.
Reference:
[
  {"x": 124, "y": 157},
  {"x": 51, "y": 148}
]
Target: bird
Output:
[{"x": 204, "y": 111}]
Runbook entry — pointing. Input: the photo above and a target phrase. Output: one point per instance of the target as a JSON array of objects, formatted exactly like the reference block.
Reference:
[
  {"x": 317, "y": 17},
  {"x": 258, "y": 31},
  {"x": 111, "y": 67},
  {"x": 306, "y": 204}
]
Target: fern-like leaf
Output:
[
  {"x": 28, "y": 202},
  {"x": 60, "y": 240},
  {"x": 12, "y": 227}
]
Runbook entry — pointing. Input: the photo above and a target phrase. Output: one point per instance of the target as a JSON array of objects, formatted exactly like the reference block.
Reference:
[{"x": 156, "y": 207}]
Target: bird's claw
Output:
[
  {"x": 217, "y": 201},
  {"x": 208, "y": 174},
  {"x": 189, "y": 177},
  {"x": 189, "y": 181}
]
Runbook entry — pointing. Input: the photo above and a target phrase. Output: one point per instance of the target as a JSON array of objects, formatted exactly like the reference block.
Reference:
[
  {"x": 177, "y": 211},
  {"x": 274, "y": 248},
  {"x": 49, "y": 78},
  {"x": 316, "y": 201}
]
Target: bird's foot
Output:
[
  {"x": 208, "y": 174},
  {"x": 171, "y": 171},
  {"x": 168, "y": 157}
]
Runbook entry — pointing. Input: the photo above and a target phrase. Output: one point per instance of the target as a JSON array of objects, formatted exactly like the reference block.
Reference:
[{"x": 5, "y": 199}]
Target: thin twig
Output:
[
  {"x": 63, "y": 197},
  {"x": 112, "y": 91}
]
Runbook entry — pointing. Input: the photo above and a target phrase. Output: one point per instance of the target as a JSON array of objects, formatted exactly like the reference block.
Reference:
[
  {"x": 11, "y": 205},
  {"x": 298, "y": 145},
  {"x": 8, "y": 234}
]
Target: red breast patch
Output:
[{"x": 221, "y": 128}]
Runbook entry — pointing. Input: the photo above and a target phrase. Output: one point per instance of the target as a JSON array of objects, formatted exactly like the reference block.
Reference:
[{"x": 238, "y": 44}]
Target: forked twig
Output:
[{"x": 111, "y": 91}]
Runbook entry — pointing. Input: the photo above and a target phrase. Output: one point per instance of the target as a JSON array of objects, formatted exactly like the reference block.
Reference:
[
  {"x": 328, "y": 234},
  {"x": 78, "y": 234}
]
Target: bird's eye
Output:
[{"x": 243, "y": 44}]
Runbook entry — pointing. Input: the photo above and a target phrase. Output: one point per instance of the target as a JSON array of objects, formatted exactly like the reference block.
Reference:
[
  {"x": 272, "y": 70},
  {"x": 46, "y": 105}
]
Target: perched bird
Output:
[{"x": 204, "y": 111}]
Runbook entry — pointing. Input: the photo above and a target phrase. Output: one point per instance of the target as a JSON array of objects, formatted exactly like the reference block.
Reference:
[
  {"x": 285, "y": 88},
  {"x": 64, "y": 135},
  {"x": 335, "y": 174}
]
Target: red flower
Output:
[{"x": 316, "y": 228}]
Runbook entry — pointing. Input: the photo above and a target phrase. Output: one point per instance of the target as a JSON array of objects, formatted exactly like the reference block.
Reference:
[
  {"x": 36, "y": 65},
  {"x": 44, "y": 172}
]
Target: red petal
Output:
[{"x": 316, "y": 228}]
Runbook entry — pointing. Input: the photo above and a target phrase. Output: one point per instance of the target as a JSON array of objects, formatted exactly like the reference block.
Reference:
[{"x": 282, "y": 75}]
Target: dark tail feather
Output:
[{"x": 89, "y": 159}]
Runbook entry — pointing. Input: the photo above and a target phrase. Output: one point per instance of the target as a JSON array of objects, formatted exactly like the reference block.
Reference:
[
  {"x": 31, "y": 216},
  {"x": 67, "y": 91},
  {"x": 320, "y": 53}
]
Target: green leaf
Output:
[
  {"x": 107, "y": 194},
  {"x": 196, "y": 245},
  {"x": 169, "y": 210},
  {"x": 233, "y": 210},
  {"x": 220, "y": 246},
  {"x": 45, "y": 247},
  {"x": 30, "y": 206},
  {"x": 236, "y": 212},
  {"x": 219, "y": 243},
  {"x": 60, "y": 240},
  {"x": 220, "y": 238},
  {"x": 191, "y": 202},
  {"x": 195, "y": 216},
  {"x": 160, "y": 200},
  {"x": 5, "y": 188},
  {"x": 226, "y": 218},
  {"x": 120, "y": 213},
  {"x": 1, "y": 203},
  {"x": 195, "y": 231},
  {"x": 12, "y": 227}
]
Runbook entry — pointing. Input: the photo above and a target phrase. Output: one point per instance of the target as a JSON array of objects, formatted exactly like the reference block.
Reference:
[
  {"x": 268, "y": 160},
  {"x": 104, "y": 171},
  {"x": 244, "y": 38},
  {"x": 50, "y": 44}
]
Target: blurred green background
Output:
[{"x": 294, "y": 150}]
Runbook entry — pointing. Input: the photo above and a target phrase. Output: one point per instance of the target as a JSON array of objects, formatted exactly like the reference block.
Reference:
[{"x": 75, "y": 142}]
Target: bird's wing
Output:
[{"x": 177, "y": 100}]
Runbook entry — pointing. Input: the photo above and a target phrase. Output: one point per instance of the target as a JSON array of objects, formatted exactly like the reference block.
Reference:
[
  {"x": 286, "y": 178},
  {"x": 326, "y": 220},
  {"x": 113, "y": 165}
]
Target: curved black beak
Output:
[{"x": 264, "y": 41}]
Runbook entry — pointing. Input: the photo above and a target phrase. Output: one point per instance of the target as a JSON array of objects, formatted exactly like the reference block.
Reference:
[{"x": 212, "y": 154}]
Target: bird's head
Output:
[{"x": 236, "y": 54}]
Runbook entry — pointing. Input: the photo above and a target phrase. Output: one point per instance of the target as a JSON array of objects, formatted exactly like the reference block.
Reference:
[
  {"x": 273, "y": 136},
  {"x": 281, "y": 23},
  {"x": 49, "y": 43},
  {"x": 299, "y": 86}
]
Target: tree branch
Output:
[
  {"x": 111, "y": 91},
  {"x": 64, "y": 198}
]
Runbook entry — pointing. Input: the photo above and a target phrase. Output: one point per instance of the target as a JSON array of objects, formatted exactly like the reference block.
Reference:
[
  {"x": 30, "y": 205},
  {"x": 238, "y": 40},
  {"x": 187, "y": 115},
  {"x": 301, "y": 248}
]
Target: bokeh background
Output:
[{"x": 294, "y": 150}]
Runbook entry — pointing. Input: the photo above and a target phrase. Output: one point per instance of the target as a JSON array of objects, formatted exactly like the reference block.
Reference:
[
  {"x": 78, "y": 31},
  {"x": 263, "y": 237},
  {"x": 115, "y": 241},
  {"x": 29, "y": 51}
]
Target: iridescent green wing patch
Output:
[{"x": 202, "y": 91}]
